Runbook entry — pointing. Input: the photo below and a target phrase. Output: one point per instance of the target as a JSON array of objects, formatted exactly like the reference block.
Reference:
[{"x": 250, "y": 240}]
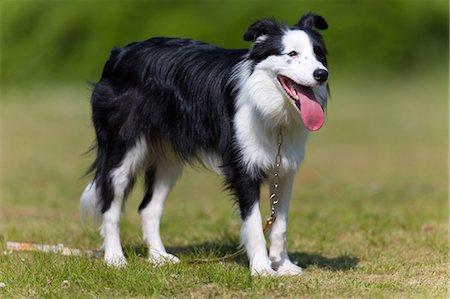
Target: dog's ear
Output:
[
  {"x": 311, "y": 21},
  {"x": 262, "y": 28}
]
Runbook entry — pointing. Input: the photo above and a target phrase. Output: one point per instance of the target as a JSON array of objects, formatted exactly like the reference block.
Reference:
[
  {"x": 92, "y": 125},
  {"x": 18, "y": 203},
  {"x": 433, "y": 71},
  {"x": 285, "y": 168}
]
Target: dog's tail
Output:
[{"x": 89, "y": 203}]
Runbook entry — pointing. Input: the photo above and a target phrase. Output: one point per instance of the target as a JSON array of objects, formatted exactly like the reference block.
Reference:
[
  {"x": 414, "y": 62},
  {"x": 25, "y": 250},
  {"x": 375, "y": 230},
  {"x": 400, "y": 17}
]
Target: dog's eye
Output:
[{"x": 292, "y": 53}]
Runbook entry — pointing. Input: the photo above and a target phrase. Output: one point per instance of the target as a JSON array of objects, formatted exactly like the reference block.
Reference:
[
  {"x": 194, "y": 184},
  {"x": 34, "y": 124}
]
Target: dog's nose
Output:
[{"x": 320, "y": 75}]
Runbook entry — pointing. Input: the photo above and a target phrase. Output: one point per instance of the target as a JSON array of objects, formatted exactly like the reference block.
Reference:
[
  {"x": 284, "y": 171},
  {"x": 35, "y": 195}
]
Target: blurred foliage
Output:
[{"x": 70, "y": 40}]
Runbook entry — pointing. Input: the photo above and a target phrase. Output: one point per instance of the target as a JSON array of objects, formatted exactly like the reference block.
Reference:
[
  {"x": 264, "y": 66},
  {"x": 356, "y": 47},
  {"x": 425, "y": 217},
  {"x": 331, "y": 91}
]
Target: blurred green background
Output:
[{"x": 68, "y": 41}]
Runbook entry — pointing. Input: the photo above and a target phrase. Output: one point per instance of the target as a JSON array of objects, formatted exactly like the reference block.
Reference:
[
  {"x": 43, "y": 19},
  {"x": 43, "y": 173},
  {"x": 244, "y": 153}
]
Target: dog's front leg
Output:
[
  {"x": 278, "y": 252},
  {"x": 252, "y": 237}
]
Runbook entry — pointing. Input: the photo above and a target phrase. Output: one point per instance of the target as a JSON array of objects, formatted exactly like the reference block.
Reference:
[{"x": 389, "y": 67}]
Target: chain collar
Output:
[{"x": 274, "y": 196}]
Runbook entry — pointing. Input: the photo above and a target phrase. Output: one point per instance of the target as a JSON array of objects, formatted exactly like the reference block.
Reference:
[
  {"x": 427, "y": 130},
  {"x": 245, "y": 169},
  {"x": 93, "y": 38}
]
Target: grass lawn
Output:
[{"x": 368, "y": 215}]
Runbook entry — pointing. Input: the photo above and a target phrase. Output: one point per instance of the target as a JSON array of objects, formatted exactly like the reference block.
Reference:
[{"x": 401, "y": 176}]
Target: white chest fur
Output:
[{"x": 258, "y": 143}]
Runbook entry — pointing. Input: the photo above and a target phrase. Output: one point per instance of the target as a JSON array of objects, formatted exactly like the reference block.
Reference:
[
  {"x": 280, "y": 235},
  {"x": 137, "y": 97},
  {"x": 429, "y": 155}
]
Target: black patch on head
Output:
[
  {"x": 262, "y": 27},
  {"x": 309, "y": 23},
  {"x": 318, "y": 46},
  {"x": 267, "y": 46}
]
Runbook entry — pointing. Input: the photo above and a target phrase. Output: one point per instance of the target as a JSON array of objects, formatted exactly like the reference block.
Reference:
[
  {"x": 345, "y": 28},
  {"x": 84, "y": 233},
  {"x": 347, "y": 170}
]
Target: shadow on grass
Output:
[
  {"x": 211, "y": 250},
  {"x": 340, "y": 263}
]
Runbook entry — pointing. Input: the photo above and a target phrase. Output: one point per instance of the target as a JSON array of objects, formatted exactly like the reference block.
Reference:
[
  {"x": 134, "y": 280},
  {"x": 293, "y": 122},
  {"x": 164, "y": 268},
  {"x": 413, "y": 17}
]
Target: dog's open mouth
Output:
[{"x": 310, "y": 110}]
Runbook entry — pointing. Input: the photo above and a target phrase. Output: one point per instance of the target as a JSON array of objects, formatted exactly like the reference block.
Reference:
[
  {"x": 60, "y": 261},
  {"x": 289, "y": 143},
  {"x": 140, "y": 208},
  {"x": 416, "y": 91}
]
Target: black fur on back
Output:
[{"x": 178, "y": 91}]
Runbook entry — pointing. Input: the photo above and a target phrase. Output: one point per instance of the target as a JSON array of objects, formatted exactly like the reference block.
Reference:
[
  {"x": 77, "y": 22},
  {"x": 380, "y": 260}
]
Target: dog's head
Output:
[{"x": 289, "y": 65}]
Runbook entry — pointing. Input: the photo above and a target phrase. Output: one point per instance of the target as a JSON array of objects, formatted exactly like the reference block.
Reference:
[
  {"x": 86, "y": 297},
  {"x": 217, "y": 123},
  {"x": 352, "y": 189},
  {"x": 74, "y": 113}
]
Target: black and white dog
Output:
[{"x": 163, "y": 103}]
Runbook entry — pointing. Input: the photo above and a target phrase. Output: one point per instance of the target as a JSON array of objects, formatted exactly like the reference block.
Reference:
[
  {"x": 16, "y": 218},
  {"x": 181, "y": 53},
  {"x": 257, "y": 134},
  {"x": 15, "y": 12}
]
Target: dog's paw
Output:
[
  {"x": 116, "y": 261},
  {"x": 287, "y": 268},
  {"x": 262, "y": 270},
  {"x": 162, "y": 258}
]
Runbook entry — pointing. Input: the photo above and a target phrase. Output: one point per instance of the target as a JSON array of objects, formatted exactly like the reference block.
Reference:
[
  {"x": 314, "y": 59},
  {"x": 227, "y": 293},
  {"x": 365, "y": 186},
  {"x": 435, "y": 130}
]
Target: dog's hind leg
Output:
[
  {"x": 160, "y": 179},
  {"x": 120, "y": 179}
]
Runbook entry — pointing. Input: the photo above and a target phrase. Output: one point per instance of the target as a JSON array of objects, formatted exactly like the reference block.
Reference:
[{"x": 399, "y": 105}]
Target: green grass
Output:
[{"x": 368, "y": 215}]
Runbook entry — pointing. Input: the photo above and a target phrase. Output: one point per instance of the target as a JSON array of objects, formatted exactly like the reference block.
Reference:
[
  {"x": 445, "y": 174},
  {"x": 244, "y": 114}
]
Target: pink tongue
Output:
[{"x": 311, "y": 111}]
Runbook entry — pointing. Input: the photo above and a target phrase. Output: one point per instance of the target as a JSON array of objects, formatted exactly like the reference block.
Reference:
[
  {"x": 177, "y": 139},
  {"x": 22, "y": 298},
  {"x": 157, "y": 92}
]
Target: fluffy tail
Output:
[{"x": 89, "y": 203}]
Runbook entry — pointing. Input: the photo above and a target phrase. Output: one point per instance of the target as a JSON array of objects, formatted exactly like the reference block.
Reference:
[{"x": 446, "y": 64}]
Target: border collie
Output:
[{"x": 163, "y": 103}]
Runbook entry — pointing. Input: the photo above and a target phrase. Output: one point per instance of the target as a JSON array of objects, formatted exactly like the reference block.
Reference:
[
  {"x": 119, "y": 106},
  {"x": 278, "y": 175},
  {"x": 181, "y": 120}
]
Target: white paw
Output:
[
  {"x": 287, "y": 268},
  {"x": 161, "y": 258},
  {"x": 117, "y": 261},
  {"x": 262, "y": 270}
]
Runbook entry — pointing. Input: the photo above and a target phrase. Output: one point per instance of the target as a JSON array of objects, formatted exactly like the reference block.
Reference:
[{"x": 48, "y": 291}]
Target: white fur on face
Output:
[{"x": 299, "y": 68}]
